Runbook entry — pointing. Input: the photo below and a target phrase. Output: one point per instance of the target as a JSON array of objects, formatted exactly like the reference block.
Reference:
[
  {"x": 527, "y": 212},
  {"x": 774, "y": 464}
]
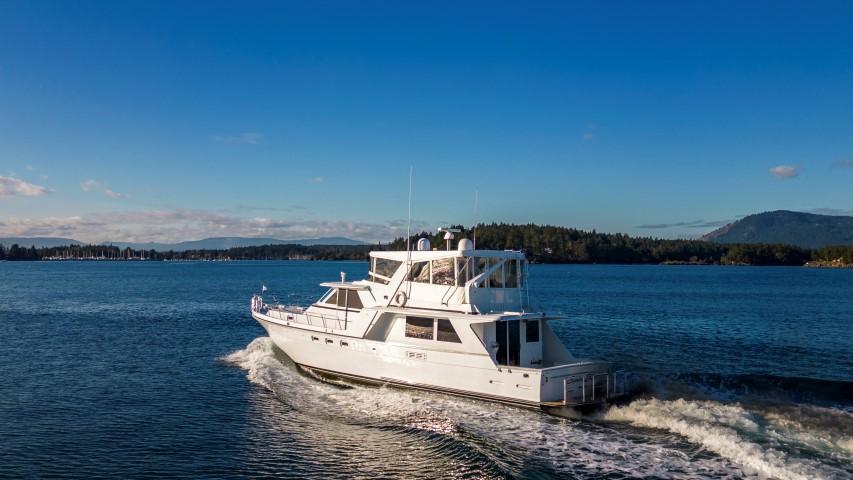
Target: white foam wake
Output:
[
  {"x": 732, "y": 432},
  {"x": 737, "y": 436}
]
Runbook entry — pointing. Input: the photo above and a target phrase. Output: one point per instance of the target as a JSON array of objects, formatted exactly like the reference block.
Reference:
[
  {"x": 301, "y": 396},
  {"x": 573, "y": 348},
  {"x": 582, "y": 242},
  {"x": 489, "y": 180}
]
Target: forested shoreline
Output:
[{"x": 541, "y": 243}]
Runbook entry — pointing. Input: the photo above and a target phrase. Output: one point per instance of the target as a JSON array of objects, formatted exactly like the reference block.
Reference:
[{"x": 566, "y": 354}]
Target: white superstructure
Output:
[{"x": 455, "y": 321}]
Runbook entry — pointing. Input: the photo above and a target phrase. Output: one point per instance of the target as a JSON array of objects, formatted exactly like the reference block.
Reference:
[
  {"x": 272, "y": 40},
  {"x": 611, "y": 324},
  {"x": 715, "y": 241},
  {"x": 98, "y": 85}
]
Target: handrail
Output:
[
  {"x": 295, "y": 314},
  {"x": 589, "y": 396}
]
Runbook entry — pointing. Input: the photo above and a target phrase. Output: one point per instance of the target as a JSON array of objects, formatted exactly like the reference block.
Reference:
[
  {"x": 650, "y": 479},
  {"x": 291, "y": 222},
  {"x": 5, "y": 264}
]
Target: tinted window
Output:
[
  {"x": 333, "y": 300},
  {"x": 464, "y": 270},
  {"x": 353, "y": 300},
  {"x": 482, "y": 264},
  {"x": 419, "y": 272},
  {"x": 419, "y": 327},
  {"x": 496, "y": 279},
  {"x": 531, "y": 331},
  {"x": 511, "y": 274},
  {"x": 385, "y": 268},
  {"x": 446, "y": 333},
  {"x": 442, "y": 271}
]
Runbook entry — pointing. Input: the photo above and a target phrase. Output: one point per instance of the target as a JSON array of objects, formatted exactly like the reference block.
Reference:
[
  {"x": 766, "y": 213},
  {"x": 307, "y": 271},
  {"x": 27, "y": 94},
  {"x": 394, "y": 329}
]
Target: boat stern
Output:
[{"x": 582, "y": 384}]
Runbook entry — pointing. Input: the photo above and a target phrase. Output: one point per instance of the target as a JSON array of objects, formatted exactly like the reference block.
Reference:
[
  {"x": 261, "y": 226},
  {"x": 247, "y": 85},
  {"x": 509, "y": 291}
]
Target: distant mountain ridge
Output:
[
  {"x": 213, "y": 243},
  {"x": 38, "y": 242},
  {"x": 807, "y": 230}
]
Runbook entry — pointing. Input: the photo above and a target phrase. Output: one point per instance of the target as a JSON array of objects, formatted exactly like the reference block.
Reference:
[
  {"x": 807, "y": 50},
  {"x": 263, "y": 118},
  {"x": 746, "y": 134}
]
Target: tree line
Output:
[{"x": 541, "y": 243}]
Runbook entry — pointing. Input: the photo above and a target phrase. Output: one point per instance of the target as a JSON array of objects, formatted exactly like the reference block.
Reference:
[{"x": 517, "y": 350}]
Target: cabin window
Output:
[
  {"x": 419, "y": 327},
  {"x": 482, "y": 264},
  {"x": 442, "y": 272},
  {"x": 511, "y": 274},
  {"x": 496, "y": 279},
  {"x": 464, "y": 270},
  {"x": 531, "y": 331},
  {"x": 333, "y": 298},
  {"x": 353, "y": 300},
  {"x": 446, "y": 332},
  {"x": 419, "y": 272},
  {"x": 383, "y": 270}
]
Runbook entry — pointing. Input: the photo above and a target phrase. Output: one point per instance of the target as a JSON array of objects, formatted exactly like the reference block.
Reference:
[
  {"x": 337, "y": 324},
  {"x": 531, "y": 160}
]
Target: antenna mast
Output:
[{"x": 409, "y": 223}]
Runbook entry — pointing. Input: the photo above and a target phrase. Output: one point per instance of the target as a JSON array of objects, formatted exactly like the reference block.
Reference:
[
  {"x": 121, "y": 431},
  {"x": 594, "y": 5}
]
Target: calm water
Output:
[{"x": 156, "y": 370}]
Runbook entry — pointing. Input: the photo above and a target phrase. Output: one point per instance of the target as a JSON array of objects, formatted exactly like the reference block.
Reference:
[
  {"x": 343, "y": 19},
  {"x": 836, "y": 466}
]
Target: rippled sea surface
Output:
[{"x": 154, "y": 370}]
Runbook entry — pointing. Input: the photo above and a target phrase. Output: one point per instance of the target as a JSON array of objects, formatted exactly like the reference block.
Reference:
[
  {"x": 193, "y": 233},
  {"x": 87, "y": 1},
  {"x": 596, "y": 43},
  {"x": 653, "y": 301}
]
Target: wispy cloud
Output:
[
  {"x": 318, "y": 180},
  {"x": 588, "y": 136},
  {"x": 113, "y": 194},
  {"x": 250, "y": 138},
  {"x": 90, "y": 185},
  {"x": 832, "y": 211},
  {"x": 96, "y": 186},
  {"x": 10, "y": 186},
  {"x": 178, "y": 225},
  {"x": 784, "y": 172},
  {"x": 689, "y": 224},
  {"x": 844, "y": 163}
]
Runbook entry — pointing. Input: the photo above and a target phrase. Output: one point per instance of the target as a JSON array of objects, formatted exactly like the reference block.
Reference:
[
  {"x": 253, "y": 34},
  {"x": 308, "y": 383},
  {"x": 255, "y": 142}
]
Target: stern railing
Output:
[{"x": 588, "y": 388}]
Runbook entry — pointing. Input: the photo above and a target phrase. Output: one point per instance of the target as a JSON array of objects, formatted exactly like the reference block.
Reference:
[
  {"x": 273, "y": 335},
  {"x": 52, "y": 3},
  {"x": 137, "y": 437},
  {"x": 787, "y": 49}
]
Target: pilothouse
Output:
[{"x": 456, "y": 321}]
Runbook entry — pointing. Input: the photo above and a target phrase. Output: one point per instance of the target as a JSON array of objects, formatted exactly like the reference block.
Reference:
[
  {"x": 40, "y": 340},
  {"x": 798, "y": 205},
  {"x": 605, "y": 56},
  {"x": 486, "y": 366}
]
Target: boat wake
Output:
[{"x": 657, "y": 435}]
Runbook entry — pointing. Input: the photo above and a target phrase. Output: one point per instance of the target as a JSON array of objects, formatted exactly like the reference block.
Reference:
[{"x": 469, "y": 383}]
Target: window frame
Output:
[
  {"x": 452, "y": 331},
  {"x": 407, "y": 318}
]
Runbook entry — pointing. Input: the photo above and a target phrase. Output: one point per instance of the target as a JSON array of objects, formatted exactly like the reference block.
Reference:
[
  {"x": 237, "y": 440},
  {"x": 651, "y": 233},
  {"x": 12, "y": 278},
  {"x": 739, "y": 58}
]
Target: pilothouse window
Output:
[
  {"x": 442, "y": 271},
  {"x": 419, "y": 327},
  {"x": 419, "y": 272},
  {"x": 446, "y": 332},
  {"x": 383, "y": 269}
]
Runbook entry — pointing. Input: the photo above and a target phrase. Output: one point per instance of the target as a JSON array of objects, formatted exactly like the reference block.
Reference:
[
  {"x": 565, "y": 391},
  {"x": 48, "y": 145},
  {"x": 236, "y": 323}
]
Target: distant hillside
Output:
[
  {"x": 38, "y": 242},
  {"x": 224, "y": 243},
  {"x": 215, "y": 243},
  {"x": 807, "y": 230}
]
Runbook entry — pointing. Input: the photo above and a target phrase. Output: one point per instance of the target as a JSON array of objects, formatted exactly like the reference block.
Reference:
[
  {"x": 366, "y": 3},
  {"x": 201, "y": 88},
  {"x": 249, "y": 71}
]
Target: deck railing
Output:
[
  {"x": 594, "y": 387},
  {"x": 297, "y": 314}
]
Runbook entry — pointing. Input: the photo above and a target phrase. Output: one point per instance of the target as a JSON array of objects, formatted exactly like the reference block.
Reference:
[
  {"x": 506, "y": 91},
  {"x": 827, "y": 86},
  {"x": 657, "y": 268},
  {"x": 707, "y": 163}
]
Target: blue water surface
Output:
[{"x": 115, "y": 369}]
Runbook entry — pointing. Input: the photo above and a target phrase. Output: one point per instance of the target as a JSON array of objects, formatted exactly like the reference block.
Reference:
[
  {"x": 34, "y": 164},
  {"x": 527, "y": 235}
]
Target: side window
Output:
[
  {"x": 511, "y": 274},
  {"x": 446, "y": 333},
  {"x": 332, "y": 299},
  {"x": 442, "y": 272},
  {"x": 353, "y": 300},
  {"x": 419, "y": 327},
  {"x": 482, "y": 265},
  {"x": 383, "y": 270},
  {"x": 496, "y": 279},
  {"x": 531, "y": 331},
  {"x": 419, "y": 272},
  {"x": 464, "y": 270}
]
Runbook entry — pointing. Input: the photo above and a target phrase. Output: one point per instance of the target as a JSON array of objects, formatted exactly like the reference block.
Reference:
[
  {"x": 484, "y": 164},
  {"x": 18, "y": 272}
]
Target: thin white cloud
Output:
[
  {"x": 784, "y": 172},
  {"x": 844, "y": 163},
  {"x": 90, "y": 185},
  {"x": 588, "y": 136},
  {"x": 113, "y": 194},
  {"x": 318, "y": 180},
  {"x": 250, "y": 138},
  {"x": 689, "y": 224},
  {"x": 177, "y": 225},
  {"x": 96, "y": 186},
  {"x": 10, "y": 186}
]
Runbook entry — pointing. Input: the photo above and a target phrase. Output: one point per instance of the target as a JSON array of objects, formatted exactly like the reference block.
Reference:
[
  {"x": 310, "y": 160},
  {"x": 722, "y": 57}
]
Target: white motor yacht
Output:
[{"x": 455, "y": 321}]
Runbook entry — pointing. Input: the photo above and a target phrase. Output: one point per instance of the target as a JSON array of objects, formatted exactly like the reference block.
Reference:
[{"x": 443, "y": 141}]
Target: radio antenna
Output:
[
  {"x": 474, "y": 227},
  {"x": 409, "y": 223}
]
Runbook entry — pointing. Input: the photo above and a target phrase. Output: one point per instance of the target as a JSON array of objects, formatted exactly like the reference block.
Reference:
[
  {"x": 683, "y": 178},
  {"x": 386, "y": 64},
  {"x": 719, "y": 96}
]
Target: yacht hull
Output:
[{"x": 404, "y": 365}]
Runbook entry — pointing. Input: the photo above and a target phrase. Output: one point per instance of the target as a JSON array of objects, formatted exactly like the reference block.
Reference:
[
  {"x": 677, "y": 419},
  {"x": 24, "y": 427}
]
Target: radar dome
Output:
[
  {"x": 465, "y": 245},
  {"x": 423, "y": 245}
]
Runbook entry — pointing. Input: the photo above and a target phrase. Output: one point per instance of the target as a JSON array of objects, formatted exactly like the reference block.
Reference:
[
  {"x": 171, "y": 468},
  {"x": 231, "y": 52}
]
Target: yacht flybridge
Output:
[{"x": 454, "y": 321}]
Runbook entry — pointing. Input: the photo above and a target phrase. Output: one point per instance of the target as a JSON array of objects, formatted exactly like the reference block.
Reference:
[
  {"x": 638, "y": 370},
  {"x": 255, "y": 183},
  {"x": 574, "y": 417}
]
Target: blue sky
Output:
[{"x": 180, "y": 120}]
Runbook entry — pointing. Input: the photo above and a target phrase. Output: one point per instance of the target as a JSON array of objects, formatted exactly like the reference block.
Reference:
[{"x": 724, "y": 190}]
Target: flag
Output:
[{"x": 263, "y": 288}]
